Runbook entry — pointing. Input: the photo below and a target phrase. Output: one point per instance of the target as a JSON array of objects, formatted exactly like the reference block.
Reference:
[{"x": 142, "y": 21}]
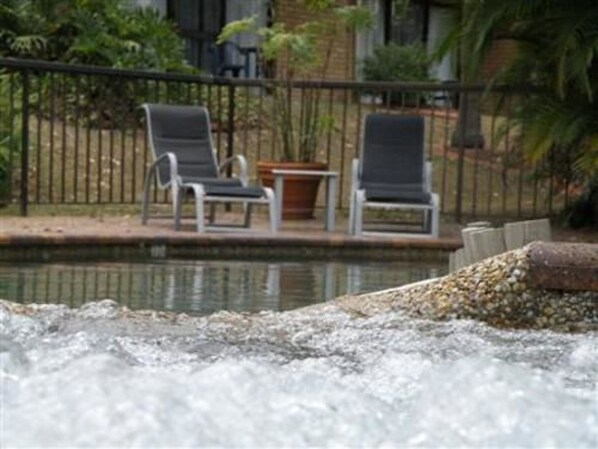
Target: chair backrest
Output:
[
  {"x": 392, "y": 151},
  {"x": 184, "y": 131}
]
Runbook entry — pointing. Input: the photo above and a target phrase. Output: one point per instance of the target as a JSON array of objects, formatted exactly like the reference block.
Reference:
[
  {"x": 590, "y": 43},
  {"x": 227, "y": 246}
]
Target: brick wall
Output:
[
  {"x": 341, "y": 66},
  {"x": 501, "y": 53}
]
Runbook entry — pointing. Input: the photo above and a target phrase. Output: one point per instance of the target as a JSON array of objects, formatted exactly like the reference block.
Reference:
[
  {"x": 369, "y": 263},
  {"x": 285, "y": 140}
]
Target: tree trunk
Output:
[{"x": 468, "y": 131}]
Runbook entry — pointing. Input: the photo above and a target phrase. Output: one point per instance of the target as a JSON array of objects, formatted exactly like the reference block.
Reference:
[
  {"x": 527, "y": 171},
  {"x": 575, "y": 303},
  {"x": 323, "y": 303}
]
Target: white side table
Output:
[{"x": 330, "y": 177}]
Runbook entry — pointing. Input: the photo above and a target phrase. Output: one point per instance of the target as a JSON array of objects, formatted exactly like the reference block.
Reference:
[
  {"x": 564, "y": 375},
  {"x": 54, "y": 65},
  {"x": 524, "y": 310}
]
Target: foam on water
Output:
[{"x": 96, "y": 376}]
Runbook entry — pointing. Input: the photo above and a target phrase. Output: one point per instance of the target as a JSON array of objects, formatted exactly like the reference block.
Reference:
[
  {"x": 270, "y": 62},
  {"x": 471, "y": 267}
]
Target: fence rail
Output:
[{"x": 75, "y": 135}]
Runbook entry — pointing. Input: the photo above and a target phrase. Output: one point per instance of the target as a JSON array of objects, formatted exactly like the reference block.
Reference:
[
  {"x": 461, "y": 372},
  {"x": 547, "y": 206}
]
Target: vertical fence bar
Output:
[
  {"x": 11, "y": 129},
  {"x": 100, "y": 152},
  {"x": 260, "y": 116},
  {"x": 329, "y": 130},
  {"x": 491, "y": 166},
  {"x": 76, "y": 147},
  {"x": 343, "y": 145},
  {"x": 505, "y": 167},
  {"x": 87, "y": 144},
  {"x": 230, "y": 126},
  {"x": 476, "y": 168},
  {"x": 219, "y": 121},
  {"x": 358, "y": 126},
  {"x": 63, "y": 92},
  {"x": 25, "y": 143},
  {"x": 51, "y": 155},
  {"x": 431, "y": 131},
  {"x": 246, "y": 119},
  {"x": 445, "y": 159},
  {"x": 461, "y": 160},
  {"x": 124, "y": 117},
  {"x": 230, "y": 135},
  {"x": 38, "y": 144},
  {"x": 274, "y": 122},
  {"x": 551, "y": 180}
]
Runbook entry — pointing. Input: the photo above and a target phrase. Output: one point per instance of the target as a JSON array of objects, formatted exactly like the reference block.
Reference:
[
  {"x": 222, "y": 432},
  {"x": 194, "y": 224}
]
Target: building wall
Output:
[
  {"x": 342, "y": 62},
  {"x": 500, "y": 54}
]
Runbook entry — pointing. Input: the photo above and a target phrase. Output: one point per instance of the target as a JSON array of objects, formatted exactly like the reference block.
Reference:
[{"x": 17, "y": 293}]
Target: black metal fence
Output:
[{"x": 73, "y": 135}]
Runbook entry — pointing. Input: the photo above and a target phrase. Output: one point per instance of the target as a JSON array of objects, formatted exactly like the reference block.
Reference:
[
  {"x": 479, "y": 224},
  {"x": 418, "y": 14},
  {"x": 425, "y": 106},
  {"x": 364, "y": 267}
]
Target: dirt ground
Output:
[{"x": 130, "y": 225}]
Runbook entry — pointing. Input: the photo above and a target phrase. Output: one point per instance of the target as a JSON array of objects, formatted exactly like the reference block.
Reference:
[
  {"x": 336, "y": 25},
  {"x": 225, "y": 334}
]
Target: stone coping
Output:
[{"x": 30, "y": 247}]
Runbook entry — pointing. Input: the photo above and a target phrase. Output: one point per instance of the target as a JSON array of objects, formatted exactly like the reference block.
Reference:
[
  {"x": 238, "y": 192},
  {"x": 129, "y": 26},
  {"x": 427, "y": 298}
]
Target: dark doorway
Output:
[{"x": 199, "y": 22}]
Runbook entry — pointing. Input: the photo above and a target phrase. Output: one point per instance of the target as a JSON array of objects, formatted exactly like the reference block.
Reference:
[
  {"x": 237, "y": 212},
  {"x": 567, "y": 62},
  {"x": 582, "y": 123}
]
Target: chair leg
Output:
[
  {"x": 351, "y": 225},
  {"x": 177, "y": 200},
  {"x": 145, "y": 198},
  {"x": 247, "y": 214},
  {"x": 272, "y": 209},
  {"x": 359, "y": 200},
  {"x": 199, "y": 195},
  {"x": 435, "y": 215}
]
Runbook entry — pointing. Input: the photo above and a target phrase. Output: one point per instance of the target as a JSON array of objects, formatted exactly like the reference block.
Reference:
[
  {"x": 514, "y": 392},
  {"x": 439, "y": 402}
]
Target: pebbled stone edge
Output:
[{"x": 498, "y": 290}]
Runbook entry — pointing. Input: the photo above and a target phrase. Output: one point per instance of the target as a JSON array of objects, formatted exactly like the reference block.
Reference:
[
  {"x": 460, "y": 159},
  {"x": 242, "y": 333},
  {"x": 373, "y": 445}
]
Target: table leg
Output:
[
  {"x": 330, "y": 202},
  {"x": 278, "y": 189}
]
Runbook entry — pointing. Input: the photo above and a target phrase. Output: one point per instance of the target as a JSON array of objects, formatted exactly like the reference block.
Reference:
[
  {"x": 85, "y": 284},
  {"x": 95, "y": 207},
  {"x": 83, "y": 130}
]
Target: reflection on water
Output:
[{"x": 203, "y": 287}]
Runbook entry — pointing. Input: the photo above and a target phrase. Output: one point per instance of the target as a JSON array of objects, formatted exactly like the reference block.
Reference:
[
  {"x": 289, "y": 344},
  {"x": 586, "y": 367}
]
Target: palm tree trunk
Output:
[{"x": 468, "y": 131}]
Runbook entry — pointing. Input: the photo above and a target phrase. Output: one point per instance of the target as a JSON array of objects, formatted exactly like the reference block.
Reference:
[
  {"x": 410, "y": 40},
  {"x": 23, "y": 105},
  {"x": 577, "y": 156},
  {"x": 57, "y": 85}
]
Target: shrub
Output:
[
  {"x": 395, "y": 62},
  {"x": 97, "y": 32},
  {"x": 9, "y": 137}
]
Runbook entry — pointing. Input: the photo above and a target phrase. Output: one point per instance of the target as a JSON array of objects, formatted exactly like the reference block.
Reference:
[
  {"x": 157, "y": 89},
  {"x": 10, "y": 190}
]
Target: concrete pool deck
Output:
[{"x": 48, "y": 237}]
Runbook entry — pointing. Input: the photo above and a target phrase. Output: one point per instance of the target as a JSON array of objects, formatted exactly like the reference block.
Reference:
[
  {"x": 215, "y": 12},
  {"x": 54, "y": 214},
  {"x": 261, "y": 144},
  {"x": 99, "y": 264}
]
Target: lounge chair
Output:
[
  {"x": 392, "y": 173},
  {"x": 180, "y": 139}
]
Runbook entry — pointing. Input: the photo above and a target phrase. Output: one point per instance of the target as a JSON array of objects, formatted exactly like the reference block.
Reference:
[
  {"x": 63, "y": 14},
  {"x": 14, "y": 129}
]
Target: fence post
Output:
[
  {"x": 461, "y": 160},
  {"x": 24, "y": 143},
  {"x": 230, "y": 126}
]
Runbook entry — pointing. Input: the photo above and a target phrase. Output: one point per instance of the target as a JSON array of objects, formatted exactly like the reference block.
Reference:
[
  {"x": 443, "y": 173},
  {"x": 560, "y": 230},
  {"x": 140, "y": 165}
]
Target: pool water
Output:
[
  {"x": 98, "y": 376},
  {"x": 203, "y": 287}
]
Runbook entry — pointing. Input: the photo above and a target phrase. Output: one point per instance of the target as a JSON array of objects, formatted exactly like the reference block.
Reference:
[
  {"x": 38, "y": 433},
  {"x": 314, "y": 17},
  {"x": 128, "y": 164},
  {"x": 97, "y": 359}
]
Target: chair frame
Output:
[
  {"x": 358, "y": 202},
  {"x": 178, "y": 187}
]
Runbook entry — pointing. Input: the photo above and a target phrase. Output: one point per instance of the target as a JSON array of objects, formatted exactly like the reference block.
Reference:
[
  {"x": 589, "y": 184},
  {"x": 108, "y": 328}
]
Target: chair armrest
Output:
[
  {"x": 173, "y": 165},
  {"x": 242, "y": 162}
]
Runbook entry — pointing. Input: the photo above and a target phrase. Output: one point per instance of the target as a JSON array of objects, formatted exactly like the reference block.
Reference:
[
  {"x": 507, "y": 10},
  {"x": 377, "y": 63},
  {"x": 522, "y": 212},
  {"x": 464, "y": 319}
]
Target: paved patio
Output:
[{"x": 127, "y": 230}]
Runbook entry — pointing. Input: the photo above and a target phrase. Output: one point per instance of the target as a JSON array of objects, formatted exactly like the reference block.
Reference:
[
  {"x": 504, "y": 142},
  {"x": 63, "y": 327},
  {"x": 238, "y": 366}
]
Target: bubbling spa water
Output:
[{"x": 100, "y": 375}]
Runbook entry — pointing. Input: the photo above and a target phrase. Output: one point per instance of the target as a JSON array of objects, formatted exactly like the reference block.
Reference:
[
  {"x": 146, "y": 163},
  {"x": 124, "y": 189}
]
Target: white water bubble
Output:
[{"x": 95, "y": 377}]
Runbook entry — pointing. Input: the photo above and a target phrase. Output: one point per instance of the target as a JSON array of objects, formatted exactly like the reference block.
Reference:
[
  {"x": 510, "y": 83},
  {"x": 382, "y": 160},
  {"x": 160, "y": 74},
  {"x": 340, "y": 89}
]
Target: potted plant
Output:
[{"x": 301, "y": 53}]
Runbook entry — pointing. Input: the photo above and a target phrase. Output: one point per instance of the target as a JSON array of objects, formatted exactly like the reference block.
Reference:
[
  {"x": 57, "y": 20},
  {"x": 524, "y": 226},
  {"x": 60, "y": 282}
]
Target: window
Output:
[{"x": 406, "y": 23}]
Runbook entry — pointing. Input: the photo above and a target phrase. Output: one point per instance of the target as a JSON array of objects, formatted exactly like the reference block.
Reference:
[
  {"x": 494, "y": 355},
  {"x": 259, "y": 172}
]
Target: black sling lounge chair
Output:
[
  {"x": 392, "y": 173},
  {"x": 180, "y": 139}
]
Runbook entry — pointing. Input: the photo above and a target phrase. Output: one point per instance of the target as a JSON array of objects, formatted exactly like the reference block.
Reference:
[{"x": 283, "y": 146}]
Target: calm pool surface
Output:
[{"x": 203, "y": 287}]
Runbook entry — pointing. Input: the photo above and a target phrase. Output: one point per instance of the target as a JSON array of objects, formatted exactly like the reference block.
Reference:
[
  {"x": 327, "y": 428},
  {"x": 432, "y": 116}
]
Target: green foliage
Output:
[
  {"x": 94, "y": 32},
  {"x": 393, "y": 62},
  {"x": 97, "y": 32},
  {"x": 304, "y": 53},
  {"x": 9, "y": 136},
  {"x": 558, "y": 44}
]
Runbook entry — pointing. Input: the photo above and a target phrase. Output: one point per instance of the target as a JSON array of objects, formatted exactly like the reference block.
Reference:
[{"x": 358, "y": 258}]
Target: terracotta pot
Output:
[{"x": 299, "y": 192}]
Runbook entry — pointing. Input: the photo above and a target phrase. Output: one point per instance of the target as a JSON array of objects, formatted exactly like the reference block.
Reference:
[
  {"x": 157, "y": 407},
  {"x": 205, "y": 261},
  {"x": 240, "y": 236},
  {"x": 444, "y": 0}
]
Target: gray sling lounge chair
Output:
[
  {"x": 180, "y": 139},
  {"x": 392, "y": 173}
]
